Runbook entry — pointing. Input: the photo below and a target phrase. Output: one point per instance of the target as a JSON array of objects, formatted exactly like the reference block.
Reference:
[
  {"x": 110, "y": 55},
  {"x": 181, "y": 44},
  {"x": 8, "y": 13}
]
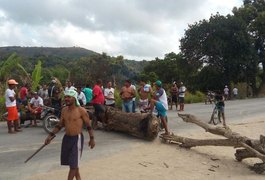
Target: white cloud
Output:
[{"x": 138, "y": 29}]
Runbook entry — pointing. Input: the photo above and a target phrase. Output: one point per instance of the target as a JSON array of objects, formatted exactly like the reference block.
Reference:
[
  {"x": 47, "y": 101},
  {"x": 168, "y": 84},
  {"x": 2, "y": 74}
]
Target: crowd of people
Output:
[{"x": 150, "y": 97}]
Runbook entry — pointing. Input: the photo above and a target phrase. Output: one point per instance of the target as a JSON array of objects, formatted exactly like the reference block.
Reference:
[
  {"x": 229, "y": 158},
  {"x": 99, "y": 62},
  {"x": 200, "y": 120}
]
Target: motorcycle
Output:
[{"x": 49, "y": 118}]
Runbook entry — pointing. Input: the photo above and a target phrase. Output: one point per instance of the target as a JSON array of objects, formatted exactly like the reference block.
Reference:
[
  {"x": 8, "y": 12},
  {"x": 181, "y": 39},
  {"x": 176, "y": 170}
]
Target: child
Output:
[{"x": 220, "y": 105}]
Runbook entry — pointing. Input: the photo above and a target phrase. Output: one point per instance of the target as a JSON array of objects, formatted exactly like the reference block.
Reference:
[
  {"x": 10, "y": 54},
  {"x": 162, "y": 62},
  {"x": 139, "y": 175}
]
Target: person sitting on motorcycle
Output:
[{"x": 35, "y": 107}]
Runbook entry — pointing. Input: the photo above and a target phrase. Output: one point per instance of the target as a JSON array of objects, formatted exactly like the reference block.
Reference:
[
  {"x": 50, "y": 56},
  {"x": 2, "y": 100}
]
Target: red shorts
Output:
[{"x": 12, "y": 113}]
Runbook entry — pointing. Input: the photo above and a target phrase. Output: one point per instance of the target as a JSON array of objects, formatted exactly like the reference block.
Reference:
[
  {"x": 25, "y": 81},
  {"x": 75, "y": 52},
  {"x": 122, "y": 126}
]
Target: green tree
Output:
[
  {"x": 11, "y": 68},
  {"x": 36, "y": 76},
  {"x": 221, "y": 43},
  {"x": 253, "y": 15}
]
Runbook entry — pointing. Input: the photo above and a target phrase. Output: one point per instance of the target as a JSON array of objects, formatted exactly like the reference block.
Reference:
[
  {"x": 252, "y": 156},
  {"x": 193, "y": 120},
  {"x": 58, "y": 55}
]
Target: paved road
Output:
[{"x": 14, "y": 149}]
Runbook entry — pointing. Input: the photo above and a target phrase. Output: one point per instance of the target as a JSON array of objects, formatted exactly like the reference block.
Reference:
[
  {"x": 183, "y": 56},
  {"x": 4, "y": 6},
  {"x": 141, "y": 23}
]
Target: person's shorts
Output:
[
  {"x": 71, "y": 151},
  {"x": 181, "y": 99},
  {"x": 174, "y": 99},
  {"x": 12, "y": 113},
  {"x": 99, "y": 110},
  {"x": 221, "y": 109},
  {"x": 161, "y": 110}
]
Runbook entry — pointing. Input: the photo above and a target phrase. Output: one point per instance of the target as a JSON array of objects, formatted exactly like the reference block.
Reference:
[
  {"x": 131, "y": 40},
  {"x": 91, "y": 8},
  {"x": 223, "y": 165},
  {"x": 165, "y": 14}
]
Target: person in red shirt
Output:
[
  {"x": 98, "y": 96},
  {"x": 23, "y": 93},
  {"x": 98, "y": 102}
]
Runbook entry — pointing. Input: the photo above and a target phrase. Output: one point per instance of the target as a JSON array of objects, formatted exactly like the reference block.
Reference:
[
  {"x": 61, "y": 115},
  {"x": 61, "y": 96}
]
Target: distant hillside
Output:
[
  {"x": 31, "y": 52},
  {"x": 136, "y": 66},
  {"x": 81, "y": 65}
]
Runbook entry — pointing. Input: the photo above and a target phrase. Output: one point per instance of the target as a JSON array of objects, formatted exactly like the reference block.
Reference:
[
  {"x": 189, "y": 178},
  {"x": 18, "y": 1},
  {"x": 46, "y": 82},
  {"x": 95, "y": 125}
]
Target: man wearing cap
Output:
[
  {"x": 159, "y": 101},
  {"x": 11, "y": 105},
  {"x": 72, "y": 118},
  {"x": 35, "y": 107}
]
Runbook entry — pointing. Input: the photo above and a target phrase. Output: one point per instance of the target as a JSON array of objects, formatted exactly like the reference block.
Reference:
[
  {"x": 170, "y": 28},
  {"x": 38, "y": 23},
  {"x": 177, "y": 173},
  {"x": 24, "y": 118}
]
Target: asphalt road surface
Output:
[{"x": 15, "y": 149}]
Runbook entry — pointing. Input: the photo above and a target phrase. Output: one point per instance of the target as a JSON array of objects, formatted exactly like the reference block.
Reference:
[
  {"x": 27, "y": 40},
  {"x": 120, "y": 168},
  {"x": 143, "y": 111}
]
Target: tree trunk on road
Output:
[
  {"x": 250, "y": 148},
  {"x": 141, "y": 125}
]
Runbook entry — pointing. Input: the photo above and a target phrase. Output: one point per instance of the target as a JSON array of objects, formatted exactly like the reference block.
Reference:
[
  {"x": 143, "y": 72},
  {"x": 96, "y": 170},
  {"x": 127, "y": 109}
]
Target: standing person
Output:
[
  {"x": 144, "y": 91},
  {"x": 174, "y": 95},
  {"x": 88, "y": 93},
  {"x": 127, "y": 94},
  {"x": 109, "y": 95},
  {"x": 57, "y": 103},
  {"x": 235, "y": 92},
  {"x": 35, "y": 107},
  {"x": 226, "y": 92},
  {"x": 43, "y": 93},
  {"x": 23, "y": 93},
  {"x": 11, "y": 105},
  {"x": 182, "y": 91},
  {"x": 81, "y": 96},
  {"x": 133, "y": 100},
  {"x": 69, "y": 86},
  {"x": 72, "y": 119},
  {"x": 52, "y": 89},
  {"x": 159, "y": 100},
  {"x": 160, "y": 94},
  {"x": 98, "y": 102},
  {"x": 220, "y": 104}
]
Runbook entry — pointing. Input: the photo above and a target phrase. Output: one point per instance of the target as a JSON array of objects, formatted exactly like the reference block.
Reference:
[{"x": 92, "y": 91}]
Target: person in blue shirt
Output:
[{"x": 88, "y": 93}]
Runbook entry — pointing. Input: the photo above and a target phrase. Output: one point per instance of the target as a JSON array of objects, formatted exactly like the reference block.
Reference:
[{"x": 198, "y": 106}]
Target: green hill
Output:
[
  {"x": 30, "y": 52},
  {"x": 78, "y": 64}
]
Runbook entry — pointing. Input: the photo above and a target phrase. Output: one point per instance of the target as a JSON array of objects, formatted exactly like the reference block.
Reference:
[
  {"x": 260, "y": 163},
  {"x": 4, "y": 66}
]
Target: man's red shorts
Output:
[{"x": 12, "y": 113}]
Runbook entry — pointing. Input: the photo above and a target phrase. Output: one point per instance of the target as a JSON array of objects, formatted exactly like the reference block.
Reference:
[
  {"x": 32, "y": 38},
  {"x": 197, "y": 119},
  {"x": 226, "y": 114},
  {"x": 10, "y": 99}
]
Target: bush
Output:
[
  {"x": 194, "y": 98},
  {"x": 118, "y": 101},
  {"x": 2, "y": 107}
]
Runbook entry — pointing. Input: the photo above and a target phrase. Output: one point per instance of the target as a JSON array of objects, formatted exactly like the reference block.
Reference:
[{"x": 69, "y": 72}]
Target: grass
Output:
[{"x": 194, "y": 98}]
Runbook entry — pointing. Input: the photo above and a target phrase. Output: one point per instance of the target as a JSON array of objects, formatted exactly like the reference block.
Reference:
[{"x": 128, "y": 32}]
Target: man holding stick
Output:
[{"x": 72, "y": 118}]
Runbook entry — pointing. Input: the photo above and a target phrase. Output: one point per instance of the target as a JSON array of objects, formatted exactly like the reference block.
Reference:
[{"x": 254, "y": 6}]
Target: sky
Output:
[{"x": 135, "y": 29}]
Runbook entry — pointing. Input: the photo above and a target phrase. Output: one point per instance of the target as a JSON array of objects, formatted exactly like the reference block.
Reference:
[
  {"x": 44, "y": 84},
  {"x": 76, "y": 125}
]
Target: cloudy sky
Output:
[{"x": 136, "y": 29}]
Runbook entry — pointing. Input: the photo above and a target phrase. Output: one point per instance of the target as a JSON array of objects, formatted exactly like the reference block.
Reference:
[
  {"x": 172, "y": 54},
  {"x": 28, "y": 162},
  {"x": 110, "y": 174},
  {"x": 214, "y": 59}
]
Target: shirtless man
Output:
[
  {"x": 144, "y": 92},
  {"x": 127, "y": 94},
  {"x": 72, "y": 118}
]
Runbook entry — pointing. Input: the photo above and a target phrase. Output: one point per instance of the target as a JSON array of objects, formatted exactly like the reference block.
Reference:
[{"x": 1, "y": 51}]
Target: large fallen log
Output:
[
  {"x": 249, "y": 148},
  {"x": 141, "y": 125}
]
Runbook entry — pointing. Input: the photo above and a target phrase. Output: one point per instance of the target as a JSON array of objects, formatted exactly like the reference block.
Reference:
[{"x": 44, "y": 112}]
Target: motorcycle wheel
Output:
[{"x": 49, "y": 122}]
